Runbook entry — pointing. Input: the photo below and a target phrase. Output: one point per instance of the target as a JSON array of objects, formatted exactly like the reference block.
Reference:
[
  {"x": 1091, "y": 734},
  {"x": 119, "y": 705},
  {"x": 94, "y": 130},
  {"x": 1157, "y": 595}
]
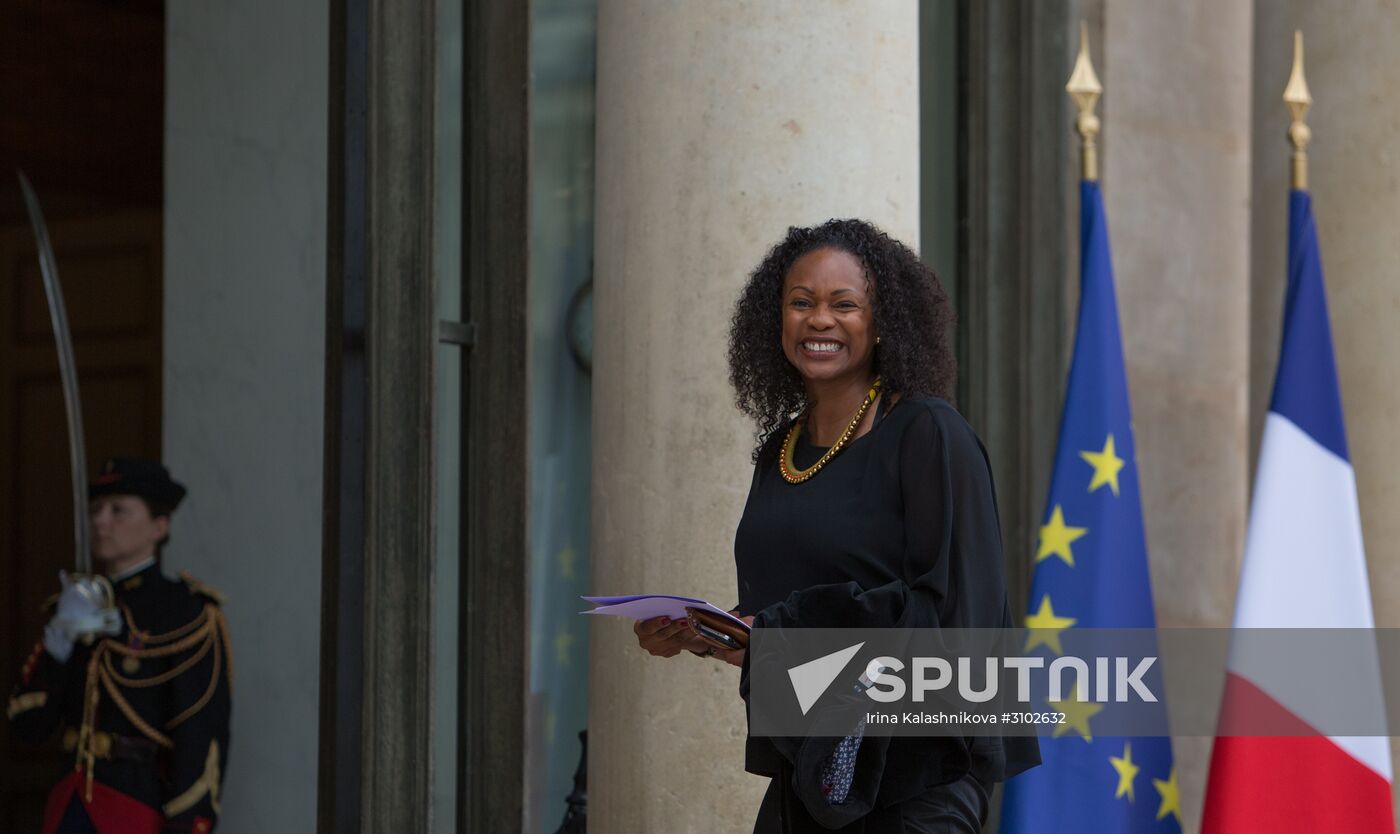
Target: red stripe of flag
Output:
[{"x": 1286, "y": 784}]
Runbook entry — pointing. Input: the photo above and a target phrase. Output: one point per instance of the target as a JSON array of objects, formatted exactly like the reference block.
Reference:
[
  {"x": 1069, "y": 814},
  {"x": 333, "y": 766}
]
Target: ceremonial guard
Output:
[{"x": 136, "y": 670}]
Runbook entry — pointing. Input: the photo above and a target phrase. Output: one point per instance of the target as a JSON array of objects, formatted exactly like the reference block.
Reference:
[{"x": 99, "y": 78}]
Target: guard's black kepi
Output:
[{"x": 138, "y": 476}]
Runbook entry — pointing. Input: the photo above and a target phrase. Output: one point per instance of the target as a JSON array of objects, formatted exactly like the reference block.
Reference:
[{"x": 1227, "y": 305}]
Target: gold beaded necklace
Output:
[{"x": 788, "y": 467}]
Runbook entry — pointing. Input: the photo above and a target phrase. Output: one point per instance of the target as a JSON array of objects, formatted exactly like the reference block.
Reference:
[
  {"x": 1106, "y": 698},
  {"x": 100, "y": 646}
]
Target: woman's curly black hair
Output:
[{"x": 912, "y": 315}]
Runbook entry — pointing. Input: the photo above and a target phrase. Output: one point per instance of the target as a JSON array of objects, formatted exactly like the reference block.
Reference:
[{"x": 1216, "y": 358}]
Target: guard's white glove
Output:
[{"x": 84, "y": 610}]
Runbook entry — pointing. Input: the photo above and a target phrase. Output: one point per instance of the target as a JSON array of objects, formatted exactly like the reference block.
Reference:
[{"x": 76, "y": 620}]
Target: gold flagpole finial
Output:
[
  {"x": 1298, "y": 98},
  {"x": 1084, "y": 88}
]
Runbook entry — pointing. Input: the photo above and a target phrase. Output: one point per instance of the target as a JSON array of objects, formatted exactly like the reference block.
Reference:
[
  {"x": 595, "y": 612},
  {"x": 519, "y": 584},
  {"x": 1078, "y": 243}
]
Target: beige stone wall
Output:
[
  {"x": 1352, "y": 64},
  {"x": 719, "y": 125},
  {"x": 1176, "y": 178}
]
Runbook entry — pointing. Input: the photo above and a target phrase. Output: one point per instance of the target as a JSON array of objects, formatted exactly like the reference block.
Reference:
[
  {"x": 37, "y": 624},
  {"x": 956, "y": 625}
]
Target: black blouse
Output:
[{"x": 899, "y": 529}]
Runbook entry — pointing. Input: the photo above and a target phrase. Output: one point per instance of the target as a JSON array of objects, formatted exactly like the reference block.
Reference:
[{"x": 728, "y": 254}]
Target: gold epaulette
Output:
[{"x": 197, "y": 587}]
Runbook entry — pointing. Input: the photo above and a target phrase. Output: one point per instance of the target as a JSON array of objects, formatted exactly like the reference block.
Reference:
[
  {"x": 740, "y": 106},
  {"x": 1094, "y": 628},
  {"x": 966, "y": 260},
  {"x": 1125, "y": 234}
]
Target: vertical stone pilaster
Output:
[
  {"x": 245, "y": 263},
  {"x": 1176, "y": 163}
]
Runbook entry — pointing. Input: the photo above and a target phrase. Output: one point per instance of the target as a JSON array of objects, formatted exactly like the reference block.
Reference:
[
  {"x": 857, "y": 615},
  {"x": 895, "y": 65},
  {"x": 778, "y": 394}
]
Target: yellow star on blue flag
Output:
[{"x": 1106, "y": 465}]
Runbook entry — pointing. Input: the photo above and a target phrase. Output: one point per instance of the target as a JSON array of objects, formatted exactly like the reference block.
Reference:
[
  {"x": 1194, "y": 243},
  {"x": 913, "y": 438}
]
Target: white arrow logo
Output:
[{"x": 812, "y": 678}]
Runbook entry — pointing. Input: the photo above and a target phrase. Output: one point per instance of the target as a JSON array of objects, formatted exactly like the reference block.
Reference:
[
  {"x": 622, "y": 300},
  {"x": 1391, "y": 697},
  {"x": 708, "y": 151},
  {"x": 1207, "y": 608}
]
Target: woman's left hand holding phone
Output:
[{"x": 667, "y": 637}]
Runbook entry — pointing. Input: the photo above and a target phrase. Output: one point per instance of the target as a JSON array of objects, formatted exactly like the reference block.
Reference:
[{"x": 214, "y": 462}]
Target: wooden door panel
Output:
[{"x": 107, "y": 292}]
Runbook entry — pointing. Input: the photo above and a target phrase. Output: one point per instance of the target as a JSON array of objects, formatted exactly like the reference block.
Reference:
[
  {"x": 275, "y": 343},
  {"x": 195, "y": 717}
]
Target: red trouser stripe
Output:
[{"x": 111, "y": 811}]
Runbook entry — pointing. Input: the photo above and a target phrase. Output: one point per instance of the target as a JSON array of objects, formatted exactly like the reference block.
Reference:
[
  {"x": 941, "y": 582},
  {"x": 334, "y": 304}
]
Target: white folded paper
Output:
[{"x": 647, "y": 606}]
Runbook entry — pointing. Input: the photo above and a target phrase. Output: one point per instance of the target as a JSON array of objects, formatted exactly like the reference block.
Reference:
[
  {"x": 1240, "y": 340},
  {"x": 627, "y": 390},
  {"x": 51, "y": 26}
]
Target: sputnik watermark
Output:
[
  {"x": 1112, "y": 678},
  {"x": 965, "y": 718},
  {"x": 934, "y": 674}
]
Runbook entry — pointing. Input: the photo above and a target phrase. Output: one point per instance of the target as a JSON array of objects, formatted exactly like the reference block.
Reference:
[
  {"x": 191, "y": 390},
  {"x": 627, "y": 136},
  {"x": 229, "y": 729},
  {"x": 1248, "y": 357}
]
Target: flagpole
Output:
[
  {"x": 1298, "y": 99},
  {"x": 1084, "y": 88}
]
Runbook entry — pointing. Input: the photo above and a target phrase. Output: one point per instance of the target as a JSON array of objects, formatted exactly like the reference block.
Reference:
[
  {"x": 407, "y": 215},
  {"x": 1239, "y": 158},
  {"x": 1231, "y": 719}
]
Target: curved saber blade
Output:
[{"x": 68, "y": 371}]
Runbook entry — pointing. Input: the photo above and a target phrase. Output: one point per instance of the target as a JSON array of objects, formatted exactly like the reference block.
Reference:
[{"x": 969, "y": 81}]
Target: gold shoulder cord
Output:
[
  {"x": 158, "y": 639},
  {"x": 205, "y": 633}
]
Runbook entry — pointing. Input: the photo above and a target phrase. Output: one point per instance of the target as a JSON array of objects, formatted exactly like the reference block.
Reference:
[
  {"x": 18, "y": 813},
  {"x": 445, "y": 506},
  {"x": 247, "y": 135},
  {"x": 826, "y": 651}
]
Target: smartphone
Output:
[{"x": 714, "y": 635}]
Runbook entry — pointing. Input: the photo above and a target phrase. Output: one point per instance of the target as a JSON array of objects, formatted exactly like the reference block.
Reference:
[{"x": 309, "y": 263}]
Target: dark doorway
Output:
[{"x": 81, "y": 112}]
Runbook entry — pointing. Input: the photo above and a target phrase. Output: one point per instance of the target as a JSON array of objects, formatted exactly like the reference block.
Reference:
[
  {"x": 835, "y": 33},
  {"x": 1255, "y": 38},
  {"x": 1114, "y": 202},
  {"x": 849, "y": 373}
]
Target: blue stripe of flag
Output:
[{"x": 1305, "y": 388}]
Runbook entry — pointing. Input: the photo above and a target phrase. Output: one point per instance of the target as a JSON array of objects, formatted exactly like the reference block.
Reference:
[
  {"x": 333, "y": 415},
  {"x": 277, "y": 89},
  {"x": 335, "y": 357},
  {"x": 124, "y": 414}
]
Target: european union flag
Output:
[{"x": 1091, "y": 572}]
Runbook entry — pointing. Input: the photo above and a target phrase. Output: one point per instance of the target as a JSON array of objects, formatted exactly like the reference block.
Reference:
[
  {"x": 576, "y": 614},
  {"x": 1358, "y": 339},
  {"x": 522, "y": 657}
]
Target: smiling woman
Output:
[
  {"x": 828, "y": 310},
  {"x": 827, "y": 316},
  {"x": 871, "y": 506}
]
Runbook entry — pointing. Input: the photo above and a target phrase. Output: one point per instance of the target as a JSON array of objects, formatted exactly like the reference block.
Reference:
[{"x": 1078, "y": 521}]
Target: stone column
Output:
[
  {"x": 1176, "y": 175},
  {"x": 720, "y": 124},
  {"x": 1354, "y": 177}
]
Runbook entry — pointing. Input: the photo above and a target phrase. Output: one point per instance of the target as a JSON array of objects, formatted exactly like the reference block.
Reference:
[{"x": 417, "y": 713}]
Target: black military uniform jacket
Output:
[{"x": 145, "y": 712}]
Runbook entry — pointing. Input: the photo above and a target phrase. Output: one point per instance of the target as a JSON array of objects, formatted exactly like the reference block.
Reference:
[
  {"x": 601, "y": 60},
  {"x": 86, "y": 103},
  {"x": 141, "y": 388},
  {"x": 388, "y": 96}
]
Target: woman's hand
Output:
[{"x": 665, "y": 637}]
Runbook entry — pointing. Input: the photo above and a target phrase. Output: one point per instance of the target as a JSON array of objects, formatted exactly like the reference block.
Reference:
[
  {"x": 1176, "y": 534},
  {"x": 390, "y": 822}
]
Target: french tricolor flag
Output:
[{"x": 1304, "y": 567}]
